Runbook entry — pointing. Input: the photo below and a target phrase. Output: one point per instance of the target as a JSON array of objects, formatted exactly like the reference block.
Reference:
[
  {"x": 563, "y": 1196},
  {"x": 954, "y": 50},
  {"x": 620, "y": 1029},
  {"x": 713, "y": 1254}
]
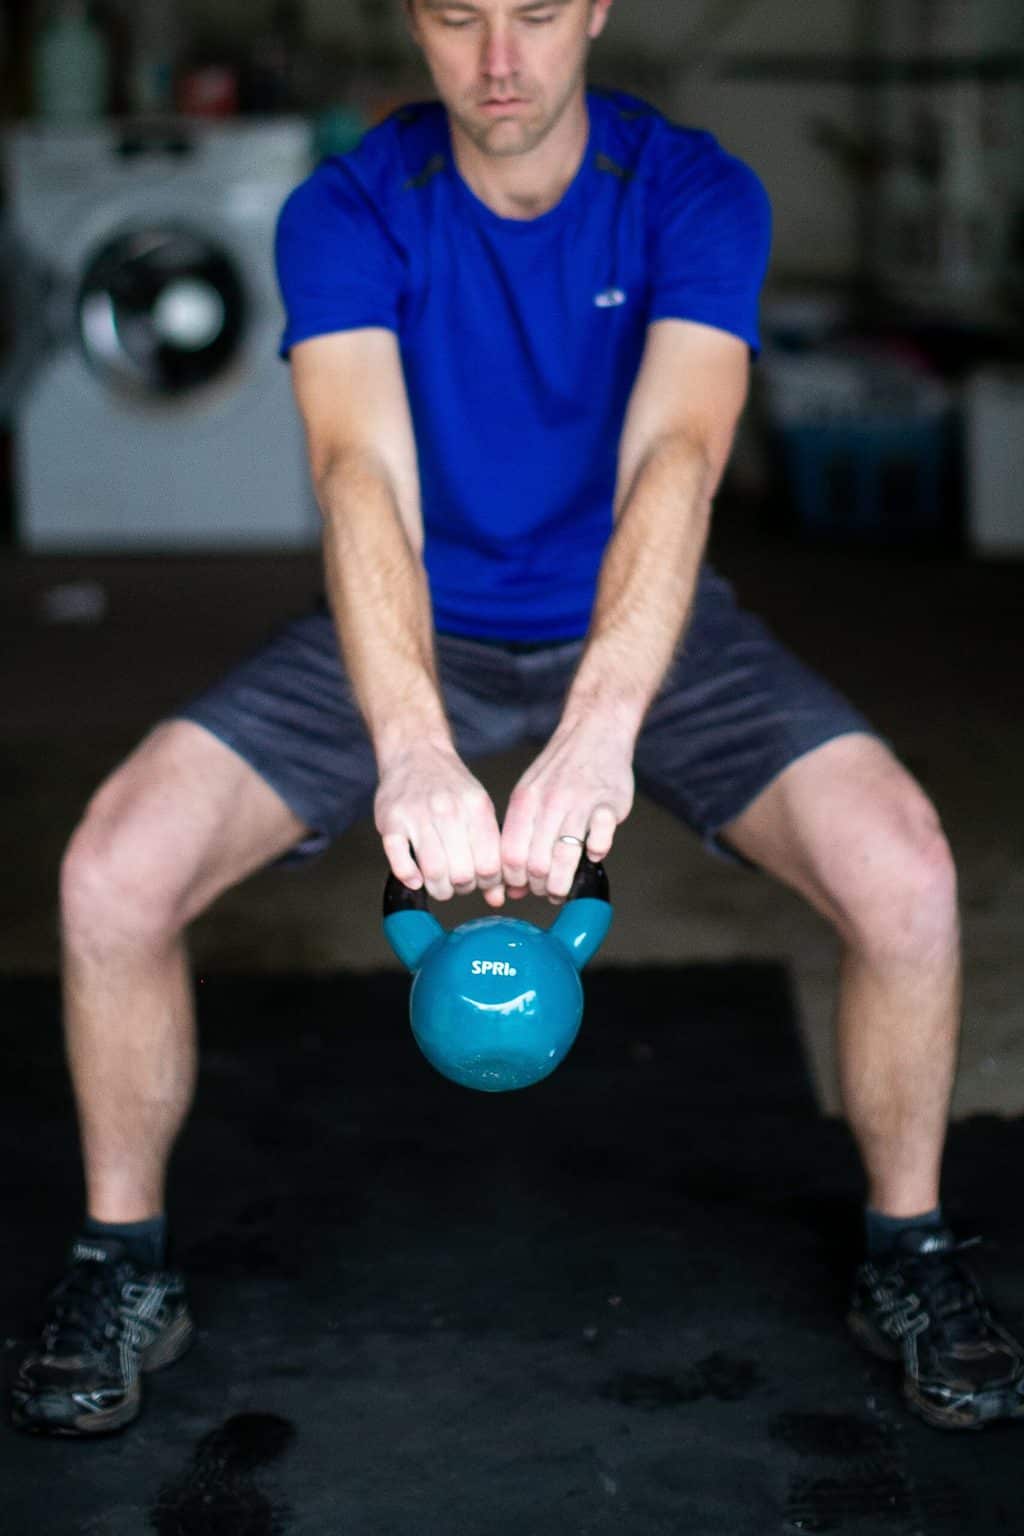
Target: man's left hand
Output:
[{"x": 580, "y": 788}]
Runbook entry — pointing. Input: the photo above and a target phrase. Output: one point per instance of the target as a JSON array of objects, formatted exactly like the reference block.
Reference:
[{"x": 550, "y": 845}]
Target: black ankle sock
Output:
[
  {"x": 882, "y": 1233},
  {"x": 145, "y": 1242}
]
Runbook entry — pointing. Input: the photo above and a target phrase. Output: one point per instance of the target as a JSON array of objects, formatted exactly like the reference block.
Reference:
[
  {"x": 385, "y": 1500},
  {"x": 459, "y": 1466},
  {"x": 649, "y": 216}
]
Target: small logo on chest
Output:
[{"x": 610, "y": 298}]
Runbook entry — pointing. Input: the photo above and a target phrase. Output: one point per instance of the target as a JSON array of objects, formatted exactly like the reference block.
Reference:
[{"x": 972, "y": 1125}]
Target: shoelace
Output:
[
  {"x": 947, "y": 1292},
  {"x": 86, "y": 1311}
]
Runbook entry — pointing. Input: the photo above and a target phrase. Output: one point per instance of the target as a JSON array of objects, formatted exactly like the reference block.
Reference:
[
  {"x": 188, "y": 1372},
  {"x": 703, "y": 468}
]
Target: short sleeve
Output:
[
  {"x": 711, "y": 244},
  {"x": 336, "y": 266}
]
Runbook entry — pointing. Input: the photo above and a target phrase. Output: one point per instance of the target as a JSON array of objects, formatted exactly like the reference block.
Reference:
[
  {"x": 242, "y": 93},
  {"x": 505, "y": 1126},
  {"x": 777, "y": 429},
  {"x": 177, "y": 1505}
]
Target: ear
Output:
[{"x": 598, "y": 16}]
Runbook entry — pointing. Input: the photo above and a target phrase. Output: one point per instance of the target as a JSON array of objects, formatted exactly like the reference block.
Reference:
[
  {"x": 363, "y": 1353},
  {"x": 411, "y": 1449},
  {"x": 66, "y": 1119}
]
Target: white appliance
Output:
[
  {"x": 160, "y": 416},
  {"x": 994, "y": 412}
]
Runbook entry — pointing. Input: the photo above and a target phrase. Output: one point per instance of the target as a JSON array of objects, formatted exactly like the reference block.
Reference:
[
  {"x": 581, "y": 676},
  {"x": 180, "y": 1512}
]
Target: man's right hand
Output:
[{"x": 427, "y": 798}]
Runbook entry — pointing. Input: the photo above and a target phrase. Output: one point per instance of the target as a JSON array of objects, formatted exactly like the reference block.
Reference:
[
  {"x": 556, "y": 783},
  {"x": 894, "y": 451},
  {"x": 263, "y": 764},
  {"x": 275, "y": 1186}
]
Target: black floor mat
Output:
[{"x": 608, "y": 1304}]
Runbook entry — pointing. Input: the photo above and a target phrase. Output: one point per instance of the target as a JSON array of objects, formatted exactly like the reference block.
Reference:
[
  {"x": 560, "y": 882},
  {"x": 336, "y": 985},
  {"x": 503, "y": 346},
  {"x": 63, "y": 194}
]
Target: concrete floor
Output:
[{"x": 929, "y": 647}]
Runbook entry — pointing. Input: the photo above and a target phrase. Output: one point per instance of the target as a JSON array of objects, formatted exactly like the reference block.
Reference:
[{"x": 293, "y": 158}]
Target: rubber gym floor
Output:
[{"x": 613, "y": 1302}]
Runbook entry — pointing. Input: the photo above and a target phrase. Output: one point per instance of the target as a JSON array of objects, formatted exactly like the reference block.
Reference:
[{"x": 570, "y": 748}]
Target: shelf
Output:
[{"x": 820, "y": 69}]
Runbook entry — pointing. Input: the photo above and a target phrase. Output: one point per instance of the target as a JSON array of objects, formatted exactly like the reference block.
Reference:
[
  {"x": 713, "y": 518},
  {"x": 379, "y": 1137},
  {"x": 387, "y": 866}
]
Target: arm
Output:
[
  {"x": 676, "y": 440},
  {"x": 362, "y": 453}
]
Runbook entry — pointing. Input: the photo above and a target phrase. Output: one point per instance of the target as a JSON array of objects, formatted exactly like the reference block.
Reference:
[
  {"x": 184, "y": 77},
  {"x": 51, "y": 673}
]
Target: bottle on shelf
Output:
[{"x": 70, "y": 66}]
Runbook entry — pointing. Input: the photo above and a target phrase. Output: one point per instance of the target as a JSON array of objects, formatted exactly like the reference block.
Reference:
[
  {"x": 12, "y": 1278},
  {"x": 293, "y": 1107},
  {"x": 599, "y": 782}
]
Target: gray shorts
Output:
[{"x": 735, "y": 709}]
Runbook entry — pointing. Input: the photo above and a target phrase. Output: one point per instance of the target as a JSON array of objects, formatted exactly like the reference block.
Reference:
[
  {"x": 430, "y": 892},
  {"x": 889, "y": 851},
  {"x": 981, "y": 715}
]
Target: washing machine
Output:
[{"x": 158, "y": 416}]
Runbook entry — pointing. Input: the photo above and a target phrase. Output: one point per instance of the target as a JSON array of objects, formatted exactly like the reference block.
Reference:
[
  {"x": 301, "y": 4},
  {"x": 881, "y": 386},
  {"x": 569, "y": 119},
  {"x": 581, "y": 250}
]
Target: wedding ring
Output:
[{"x": 574, "y": 842}]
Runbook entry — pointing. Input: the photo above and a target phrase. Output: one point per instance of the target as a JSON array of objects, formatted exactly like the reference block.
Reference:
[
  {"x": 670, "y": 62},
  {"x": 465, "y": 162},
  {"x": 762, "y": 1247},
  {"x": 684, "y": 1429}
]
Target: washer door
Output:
[{"x": 161, "y": 312}]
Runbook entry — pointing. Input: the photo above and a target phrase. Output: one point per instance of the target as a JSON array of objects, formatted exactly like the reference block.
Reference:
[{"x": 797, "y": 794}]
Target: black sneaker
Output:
[
  {"x": 961, "y": 1367},
  {"x": 108, "y": 1322}
]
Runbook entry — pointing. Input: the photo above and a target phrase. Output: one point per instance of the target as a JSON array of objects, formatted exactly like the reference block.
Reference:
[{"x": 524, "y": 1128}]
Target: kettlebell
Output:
[{"x": 496, "y": 1003}]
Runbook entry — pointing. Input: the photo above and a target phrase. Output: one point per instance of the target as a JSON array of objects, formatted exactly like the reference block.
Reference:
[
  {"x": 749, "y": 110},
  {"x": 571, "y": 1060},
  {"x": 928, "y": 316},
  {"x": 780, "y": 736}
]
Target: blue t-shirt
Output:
[{"x": 521, "y": 339}]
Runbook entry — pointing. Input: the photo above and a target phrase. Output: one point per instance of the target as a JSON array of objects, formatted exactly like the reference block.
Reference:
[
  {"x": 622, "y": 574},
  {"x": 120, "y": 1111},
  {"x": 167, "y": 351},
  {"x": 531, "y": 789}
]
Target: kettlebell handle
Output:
[{"x": 590, "y": 880}]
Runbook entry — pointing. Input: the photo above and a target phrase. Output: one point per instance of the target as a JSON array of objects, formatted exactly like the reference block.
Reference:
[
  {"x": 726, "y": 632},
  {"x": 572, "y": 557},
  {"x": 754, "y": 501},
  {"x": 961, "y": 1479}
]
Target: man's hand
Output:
[
  {"x": 581, "y": 786},
  {"x": 428, "y": 798}
]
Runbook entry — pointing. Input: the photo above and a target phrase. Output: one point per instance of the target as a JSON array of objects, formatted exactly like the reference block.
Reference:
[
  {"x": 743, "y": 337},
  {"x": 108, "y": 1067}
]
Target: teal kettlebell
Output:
[{"x": 496, "y": 1003}]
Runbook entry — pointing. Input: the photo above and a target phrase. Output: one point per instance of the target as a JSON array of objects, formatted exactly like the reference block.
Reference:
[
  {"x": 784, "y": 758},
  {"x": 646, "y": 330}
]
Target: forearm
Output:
[
  {"x": 646, "y": 586},
  {"x": 377, "y": 587}
]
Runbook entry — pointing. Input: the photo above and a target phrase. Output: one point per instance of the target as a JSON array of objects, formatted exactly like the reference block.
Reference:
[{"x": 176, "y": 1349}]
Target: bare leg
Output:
[
  {"x": 179, "y": 823},
  {"x": 898, "y": 1035},
  {"x": 849, "y": 829}
]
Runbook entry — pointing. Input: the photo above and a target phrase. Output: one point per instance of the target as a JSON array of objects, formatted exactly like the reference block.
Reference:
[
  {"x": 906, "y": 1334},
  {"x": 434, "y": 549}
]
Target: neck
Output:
[{"x": 528, "y": 185}]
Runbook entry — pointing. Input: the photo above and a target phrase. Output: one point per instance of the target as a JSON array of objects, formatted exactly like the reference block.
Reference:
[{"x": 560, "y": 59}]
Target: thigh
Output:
[
  {"x": 183, "y": 819},
  {"x": 735, "y": 711},
  {"x": 290, "y": 714},
  {"x": 845, "y": 826}
]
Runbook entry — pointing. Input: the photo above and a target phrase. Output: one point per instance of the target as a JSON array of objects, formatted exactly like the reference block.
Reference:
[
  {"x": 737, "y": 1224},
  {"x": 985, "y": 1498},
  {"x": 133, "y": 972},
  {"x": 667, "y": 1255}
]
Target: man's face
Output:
[{"x": 506, "y": 69}]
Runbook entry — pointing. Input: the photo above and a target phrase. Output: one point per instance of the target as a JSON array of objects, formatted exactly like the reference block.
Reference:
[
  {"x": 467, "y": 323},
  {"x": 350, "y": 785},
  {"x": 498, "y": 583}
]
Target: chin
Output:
[
  {"x": 503, "y": 145},
  {"x": 511, "y": 137}
]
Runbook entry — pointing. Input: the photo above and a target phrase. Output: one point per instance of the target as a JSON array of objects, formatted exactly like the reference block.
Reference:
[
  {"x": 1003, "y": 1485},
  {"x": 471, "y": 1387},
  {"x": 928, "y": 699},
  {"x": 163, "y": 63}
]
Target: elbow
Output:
[
  {"x": 356, "y": 488},
  {"x": 691, "y": 450},
  {"x": 341, "y": 473},
  {"x": 685, "y": 458},
  {"x": 702, "y": 458}
]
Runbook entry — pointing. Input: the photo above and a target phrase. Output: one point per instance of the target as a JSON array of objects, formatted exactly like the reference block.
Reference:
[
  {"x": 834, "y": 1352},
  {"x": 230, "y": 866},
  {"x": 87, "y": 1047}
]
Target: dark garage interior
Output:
[{"x": 614, "y": 1301}]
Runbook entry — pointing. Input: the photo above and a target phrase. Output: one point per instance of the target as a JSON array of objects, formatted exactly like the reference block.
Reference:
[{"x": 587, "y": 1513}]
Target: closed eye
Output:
[{"x": 458, "y": 22}]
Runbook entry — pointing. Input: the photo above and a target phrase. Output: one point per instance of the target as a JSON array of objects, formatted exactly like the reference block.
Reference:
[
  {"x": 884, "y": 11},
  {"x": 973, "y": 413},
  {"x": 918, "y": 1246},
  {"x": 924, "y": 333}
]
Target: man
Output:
[{"x": 519, "y": 324}]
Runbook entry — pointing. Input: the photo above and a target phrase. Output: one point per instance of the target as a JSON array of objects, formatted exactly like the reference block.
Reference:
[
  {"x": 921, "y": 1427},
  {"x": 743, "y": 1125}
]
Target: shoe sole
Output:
[
  {"x": 967, "y": 1413},
  {"x": 170, "y": 1346}
]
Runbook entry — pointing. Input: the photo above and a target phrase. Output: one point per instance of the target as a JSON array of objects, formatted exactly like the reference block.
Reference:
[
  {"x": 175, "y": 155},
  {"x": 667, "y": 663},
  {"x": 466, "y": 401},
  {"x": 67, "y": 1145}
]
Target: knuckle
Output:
[{"x": 432, "y": 868}]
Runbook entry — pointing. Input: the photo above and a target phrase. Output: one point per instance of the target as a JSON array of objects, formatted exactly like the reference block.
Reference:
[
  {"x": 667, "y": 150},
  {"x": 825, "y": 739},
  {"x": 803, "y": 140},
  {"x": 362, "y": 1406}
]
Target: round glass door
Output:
[{"x": 161, "y": 312}]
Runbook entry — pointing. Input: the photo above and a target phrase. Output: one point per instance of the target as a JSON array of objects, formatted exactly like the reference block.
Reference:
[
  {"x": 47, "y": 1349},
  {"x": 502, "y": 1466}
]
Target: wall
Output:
[
  {"x": 770, "y": 124},
  {"x": 775, "y": 123},
  {"x": 765, "y": 123}
]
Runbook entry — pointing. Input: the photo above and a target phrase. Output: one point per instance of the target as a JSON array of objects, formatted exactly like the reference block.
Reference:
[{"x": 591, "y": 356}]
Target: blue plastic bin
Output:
[{"x": 873, "y": 480}]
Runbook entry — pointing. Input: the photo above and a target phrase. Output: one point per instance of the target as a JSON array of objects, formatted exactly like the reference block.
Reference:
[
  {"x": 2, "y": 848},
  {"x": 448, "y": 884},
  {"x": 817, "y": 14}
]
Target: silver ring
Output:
[{"x": 574, "y": 842}]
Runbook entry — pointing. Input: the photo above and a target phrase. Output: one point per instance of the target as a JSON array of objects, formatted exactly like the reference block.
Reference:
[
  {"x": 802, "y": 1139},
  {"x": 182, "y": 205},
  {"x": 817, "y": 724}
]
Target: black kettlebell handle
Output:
[{"x": 590, "y": 880}]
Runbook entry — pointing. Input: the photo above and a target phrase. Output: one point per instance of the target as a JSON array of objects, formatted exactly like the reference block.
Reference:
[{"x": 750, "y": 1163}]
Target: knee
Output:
[
  {"x": 905, "y": 905},
  {"x": 112, "y": 892}
]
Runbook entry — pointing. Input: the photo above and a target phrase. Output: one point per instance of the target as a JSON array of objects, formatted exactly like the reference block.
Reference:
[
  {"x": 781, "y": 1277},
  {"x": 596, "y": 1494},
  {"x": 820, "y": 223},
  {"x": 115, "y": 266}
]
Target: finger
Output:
[
  {"x": 565, "y": 858},
  {"x": 542, "y": 850},
  {"x": 516, "y": 838},
  {"x": 485, "y": 845},
  {"x": 447, "y": 816},
  {"x": 552, "y": 863},
  {"x": 538, "y": 868},
  {"x": 601, "y": 834},
  {"x": 432, "y": 859},
  {"x": 398, "y": 852},
  {"x": 449, "y": 823}
]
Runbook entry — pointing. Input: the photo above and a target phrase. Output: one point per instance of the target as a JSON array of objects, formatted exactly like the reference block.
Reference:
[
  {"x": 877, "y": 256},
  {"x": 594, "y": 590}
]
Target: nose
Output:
[{"x": 499, "y": 59}]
